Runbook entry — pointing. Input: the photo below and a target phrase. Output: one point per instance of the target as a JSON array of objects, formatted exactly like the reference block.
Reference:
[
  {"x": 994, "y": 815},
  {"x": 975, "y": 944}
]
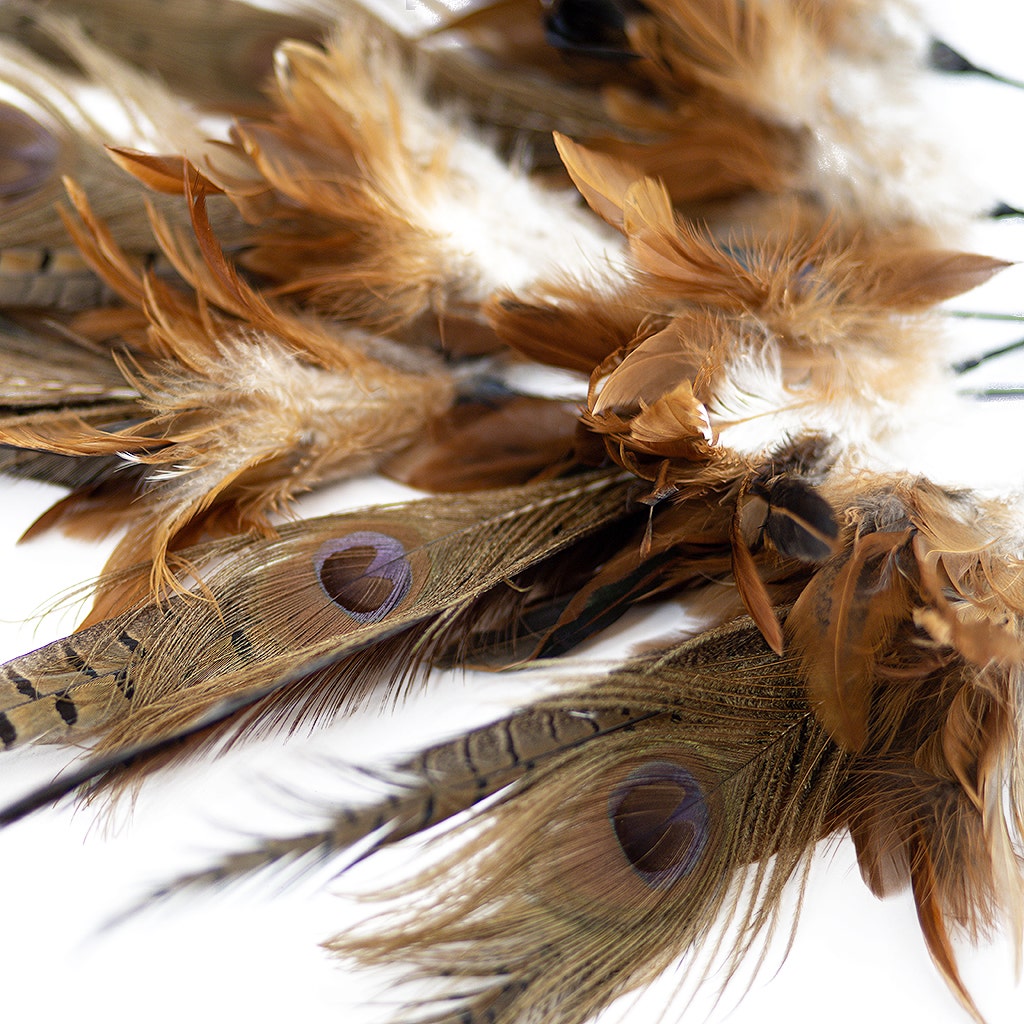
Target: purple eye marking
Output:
[
  {"x": 660, "y": 819},
  {"x": 30, "y": 154},
  {"x": 367, "y": 574}
]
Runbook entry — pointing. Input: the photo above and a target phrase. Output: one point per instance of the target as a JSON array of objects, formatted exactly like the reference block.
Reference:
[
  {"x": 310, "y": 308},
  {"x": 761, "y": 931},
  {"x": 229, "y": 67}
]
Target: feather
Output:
[
  {"x": 348, "y": 172},
  {"x": 665, "y": 809},
  {"x": 648, "y": 824},
  {"x": 218, "y": 51},
  {"x": 210, "y": 379},
  {"x": 860, "y": 598},
  {"x": 483, "y": 445},
  {"x": 55, "y": 132},
  {"x": 751, "y": 588},
  {"x": 154, "y": 670}
]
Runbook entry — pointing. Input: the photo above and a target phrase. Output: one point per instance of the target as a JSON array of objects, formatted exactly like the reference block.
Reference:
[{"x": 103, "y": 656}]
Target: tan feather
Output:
[
  {"x": 602, "y": 181},
  {"x": 327, "y": 407},
  {"x": 357, "y": 165},
  {"x": 269, "y": 612},
  {"x": 599, "y": 325},
  {"x": 57, "y": 132},
  {"x": 218, "y": 51},
  {"x": 705, "y": 148}
]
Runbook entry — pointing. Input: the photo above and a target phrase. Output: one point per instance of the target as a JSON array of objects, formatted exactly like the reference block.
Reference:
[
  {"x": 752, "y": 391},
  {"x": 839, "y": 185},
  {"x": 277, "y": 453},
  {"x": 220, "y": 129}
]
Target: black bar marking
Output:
[
  {"x": 8, "y": 734},
  {"x": 126, "y": 639},
  {"x": 77, "y": 662},
  {"x": 25, "y": 687},
  {"x": 65, "y": 707},
  {"x": 124, "y": 682}
]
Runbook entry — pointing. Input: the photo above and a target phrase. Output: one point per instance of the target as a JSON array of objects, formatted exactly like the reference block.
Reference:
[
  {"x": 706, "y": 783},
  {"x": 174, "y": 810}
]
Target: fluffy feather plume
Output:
[
  {"x": 236, "y": 412},
  {"x": 686, "y": 212}
]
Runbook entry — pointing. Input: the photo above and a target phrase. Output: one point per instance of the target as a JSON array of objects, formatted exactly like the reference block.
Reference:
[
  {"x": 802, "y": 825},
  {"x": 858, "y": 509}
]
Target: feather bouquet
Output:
[{"x": 640, "y": 313}]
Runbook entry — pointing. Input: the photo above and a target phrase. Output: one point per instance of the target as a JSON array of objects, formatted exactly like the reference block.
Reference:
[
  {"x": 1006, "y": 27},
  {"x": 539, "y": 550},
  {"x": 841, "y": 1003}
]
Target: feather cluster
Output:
[{"x": 252, "y": 286}]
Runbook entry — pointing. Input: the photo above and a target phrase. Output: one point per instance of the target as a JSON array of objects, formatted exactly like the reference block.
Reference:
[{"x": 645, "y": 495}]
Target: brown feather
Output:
[
  {"x": 477, "y": 446},
  {"x": 228, "y": 638},
  {"x": 842, "y": 622},
  {"x": 751, "y": 588}
]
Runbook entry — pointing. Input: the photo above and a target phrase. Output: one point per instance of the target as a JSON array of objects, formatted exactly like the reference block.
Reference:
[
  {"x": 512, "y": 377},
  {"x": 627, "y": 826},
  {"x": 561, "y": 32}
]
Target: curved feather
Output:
[
  {"x": 275, "y": 611},
  {"x": 56, "y": 131},
  {"x": 218, "y": 51}
]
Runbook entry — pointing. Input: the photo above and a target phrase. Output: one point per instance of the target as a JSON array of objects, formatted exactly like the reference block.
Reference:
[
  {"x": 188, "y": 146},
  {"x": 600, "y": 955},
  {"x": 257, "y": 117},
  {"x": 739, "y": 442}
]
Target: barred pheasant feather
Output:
[{"x": 640, "y": 311}]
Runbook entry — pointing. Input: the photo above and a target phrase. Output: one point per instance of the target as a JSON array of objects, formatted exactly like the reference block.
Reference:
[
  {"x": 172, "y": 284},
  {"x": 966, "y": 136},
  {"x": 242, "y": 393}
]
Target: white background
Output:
[{"x": 246, "y": 957}]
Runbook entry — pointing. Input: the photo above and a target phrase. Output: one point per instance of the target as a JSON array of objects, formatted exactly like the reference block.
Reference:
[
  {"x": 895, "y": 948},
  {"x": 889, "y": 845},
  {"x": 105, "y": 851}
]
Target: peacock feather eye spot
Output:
[
  {"x": 30, "y": 154},
  {"x": 366, "y": 574},
  {"x": 660, "y": 819}
]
